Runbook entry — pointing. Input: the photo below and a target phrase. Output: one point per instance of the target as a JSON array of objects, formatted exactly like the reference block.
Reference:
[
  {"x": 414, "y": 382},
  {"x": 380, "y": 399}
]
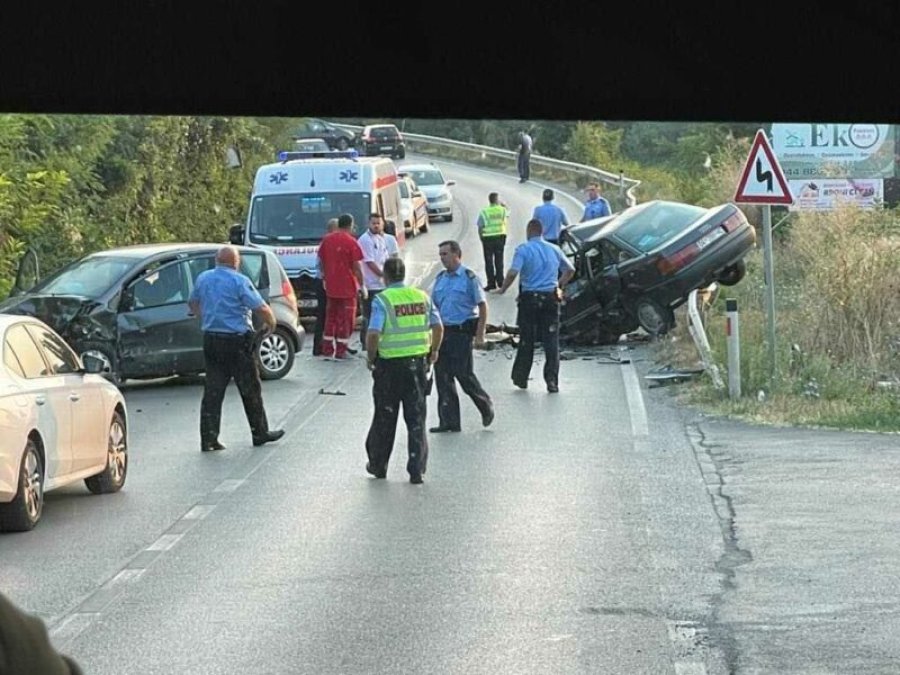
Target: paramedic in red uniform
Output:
[{"x": 340, "y": 260}]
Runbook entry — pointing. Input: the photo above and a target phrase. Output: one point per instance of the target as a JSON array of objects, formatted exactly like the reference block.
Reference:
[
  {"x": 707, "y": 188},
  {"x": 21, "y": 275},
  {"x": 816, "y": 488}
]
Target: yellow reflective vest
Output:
[
  {"x": 407, "y": 330},
  {"x": 494, "y": 218}
]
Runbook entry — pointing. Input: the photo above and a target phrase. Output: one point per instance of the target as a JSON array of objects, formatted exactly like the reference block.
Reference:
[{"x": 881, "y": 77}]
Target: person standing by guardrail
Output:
[
  {"x": 321, "y": 296},
  {"x": 595, "y": 206},
  {"x": 492, "y": 223},
  {"x": 523, "y": 161},
  {"x": 545, "y": 271},
  {"x": 553, "y": 218}
]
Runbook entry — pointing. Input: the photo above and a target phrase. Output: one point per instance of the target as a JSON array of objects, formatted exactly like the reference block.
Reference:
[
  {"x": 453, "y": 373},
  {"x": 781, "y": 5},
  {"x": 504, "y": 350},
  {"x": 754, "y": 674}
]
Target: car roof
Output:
[
  {"x": 140, "y": 251},
  {"x": 417, "y": 167},
  {"x": 381, "y": 126}
]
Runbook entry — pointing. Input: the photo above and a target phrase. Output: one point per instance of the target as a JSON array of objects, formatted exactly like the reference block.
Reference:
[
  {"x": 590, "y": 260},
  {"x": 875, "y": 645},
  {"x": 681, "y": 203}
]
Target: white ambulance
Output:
[{"x": 294, "y": 198}]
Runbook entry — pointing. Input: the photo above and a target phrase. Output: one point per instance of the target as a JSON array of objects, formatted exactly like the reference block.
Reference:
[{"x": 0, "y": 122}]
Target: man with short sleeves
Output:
[
  {"x": 545, "y": 271},
  {"x": 377, "y": 246},
  {"x": 595, "y": 206},
  {"x": 224, "y": 298},
  {"x": 460, "y": 299},
  {"x": 340, "y": 259},
  {"x": 553, "y": 218},
  {"x": 403, "y": 341}
]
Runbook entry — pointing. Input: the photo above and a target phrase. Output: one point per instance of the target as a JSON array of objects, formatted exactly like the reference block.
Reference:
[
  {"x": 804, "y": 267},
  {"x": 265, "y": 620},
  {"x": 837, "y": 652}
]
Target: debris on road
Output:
[{"x": 336, "y": 392}]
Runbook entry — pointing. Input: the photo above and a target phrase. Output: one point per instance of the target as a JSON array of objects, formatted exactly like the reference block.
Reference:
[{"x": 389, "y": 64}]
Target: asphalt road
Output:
[{"x": 600, "y": 530}]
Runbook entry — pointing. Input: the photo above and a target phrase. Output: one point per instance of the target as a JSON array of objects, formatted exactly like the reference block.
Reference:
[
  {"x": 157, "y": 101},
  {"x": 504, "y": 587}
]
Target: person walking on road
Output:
[
  {"x": 321, "y": 297},
  {"x": 460, "y": 300},
  {"x": 545, "y": 271},
  {"x": 492, "y": 223},
  {"x": 595, "y": 206},
  {"x": 340, "y": 259},
  {"x": 224, "y": 298},
  {"x": 402, "y": 343},
  {"x": 377, "y": 246},
  {"x": 553, "y": 218},
  {"x": 523, "y": 160}
]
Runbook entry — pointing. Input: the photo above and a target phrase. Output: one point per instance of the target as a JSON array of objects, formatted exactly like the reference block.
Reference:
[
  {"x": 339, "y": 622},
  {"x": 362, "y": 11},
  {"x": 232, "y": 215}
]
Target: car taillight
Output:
[
  {"x": 677, "y": 260},
  {"x": 288, "y": 291},
  {"x": 733, "y": 222}
]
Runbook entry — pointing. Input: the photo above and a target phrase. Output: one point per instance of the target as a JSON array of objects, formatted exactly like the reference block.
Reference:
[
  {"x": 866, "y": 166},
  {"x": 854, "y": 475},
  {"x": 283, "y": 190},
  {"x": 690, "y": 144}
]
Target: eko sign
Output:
[{"x": 834, "y": 150}]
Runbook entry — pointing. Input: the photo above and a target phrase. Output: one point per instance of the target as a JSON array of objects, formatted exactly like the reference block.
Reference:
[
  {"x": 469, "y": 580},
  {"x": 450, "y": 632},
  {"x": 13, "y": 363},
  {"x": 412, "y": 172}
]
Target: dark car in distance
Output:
[
  {"x": 128, "y": 308},
  {"x": 382, "y": 139},
  {"x": 634, "y": 268},
  {"x": 335, "y": 137}
]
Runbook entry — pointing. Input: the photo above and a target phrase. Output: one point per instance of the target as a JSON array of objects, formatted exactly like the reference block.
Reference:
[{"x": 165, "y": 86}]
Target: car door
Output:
[
  {"x": 88, "y": 427},
  {"x": 156, "y": 332},
  {"x": 49, "y": 396}
]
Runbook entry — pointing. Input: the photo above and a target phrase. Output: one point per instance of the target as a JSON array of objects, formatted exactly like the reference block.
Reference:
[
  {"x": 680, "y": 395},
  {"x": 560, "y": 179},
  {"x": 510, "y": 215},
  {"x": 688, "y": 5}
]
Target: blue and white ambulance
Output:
[{"x": 294, "y": 198}]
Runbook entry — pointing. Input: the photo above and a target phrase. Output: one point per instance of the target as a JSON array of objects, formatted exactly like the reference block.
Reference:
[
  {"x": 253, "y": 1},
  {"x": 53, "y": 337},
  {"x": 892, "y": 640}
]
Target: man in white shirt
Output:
[{"x": 377, "y": 247}]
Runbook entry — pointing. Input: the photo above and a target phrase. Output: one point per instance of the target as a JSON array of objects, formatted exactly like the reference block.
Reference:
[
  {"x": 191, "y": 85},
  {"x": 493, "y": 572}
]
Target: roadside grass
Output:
[{"x": 837, "y": 315}]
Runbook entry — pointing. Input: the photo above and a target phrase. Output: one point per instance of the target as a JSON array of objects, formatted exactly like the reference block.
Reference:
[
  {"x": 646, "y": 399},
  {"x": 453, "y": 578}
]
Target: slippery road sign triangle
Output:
[{"x": 762, "y": 181}]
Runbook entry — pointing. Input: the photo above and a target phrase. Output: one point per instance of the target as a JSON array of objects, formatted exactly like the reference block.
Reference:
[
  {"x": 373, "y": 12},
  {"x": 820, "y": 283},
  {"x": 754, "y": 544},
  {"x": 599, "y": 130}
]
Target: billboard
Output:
[
  {"x": 807, "y": 151},
  {"x": 825, "y": 194}
]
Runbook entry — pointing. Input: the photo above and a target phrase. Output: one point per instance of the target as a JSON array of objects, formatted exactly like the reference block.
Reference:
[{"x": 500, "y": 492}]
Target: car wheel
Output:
[
  {"x": 112, "y": 478},
  {"x": 449, "y": 218},
  {"x": 653, "y": 317},
  {"x": 342, "y": 144},
  {"x": 409, "y": 229},
  {"x": 23, "y": 512},
  {"x": 102, "y": 353},
  {"x": 732, "y": 274},
  {"x": 275, "y": 354},
  {"x": 424, "y": 226}
]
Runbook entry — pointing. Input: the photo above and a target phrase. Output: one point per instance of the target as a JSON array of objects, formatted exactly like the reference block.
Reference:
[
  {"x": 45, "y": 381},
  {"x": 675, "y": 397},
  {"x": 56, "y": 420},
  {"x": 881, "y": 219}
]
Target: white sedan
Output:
[{"x": 59, "y": 423}]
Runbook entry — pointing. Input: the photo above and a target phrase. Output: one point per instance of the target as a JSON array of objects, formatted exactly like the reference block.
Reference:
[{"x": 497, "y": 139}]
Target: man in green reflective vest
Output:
[
  {"x": 403, "y": 339},
  {"x": 492, "y": 224}
]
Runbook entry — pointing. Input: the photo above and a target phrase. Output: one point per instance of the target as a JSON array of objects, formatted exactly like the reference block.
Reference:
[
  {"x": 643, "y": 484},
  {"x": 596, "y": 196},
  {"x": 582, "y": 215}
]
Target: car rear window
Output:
[
  {"x": 384, "y": 132},
  {"x": 648, "y": 228}
]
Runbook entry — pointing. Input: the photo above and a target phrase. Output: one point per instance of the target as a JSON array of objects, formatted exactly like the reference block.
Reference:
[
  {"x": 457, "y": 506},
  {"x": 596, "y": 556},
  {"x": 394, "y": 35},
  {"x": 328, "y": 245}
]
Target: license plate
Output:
[
  {"x": 307, "y": 303},
  {"x": 385, "y": 147},
  {"x": 709, "y": 238}
]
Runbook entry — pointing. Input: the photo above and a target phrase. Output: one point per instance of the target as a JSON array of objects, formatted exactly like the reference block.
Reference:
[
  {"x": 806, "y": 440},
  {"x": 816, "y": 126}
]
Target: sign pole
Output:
[{"x": 769, "y": 273}]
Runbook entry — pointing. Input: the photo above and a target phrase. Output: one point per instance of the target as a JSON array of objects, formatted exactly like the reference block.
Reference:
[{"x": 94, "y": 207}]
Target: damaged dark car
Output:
[
  {"x": 128, "y": 308},
  {"x": 634, "y": 268}
]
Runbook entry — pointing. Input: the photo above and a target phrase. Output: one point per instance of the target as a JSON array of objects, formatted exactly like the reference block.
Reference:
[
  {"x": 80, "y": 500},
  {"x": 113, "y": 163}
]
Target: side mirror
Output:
[
  {"x": 236, "y": 234},
  {"x": 450, "y": 182},
  {"x": 92, "y": 365},
  {"x": 28, "y": 273}
]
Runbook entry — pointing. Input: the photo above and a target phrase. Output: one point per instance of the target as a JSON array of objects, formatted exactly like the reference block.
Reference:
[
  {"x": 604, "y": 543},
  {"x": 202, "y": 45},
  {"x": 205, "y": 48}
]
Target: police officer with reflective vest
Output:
[
  {"x": 459, "y": 298},
  {"x": 545, "y": 271},
  {"x": 492, "y": 225},
  {"x": 403, "y": 339},
  {"x": 223, "y": 299}
]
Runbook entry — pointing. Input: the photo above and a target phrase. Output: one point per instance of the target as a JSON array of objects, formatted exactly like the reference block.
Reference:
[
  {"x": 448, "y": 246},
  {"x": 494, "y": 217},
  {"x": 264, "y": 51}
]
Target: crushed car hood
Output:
[{"x": 57, "y": 311}]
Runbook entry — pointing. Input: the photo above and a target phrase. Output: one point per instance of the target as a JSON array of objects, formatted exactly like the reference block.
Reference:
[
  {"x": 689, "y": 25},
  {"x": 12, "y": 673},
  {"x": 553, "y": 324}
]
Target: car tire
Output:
[
  {"x": 448, "y": 219},
  {"x": 24, "y": 512},
  {"x": 275, "y": 354},
  {"x": 342, "y": 144},
  {"x": 409, "y": 229},
  {"x": 103, "y": 353},
  {"x": 424, "y": 226},
  {"x": 112, "y": 478},
  {"x": 654, "y": 317},
  {"x": 733, "y": 274}
]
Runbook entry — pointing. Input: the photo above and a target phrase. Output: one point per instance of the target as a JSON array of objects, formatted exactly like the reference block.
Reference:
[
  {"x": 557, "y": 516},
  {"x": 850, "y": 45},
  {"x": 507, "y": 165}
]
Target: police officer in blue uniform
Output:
[
  {"x": 545, "y": 271},
  {"x": 223, "y": 298},
  {"x": 460, "y": 299}
]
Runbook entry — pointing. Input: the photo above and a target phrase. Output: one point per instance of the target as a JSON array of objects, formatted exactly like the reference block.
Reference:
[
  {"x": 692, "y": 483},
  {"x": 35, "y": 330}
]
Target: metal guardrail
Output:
[{"x": 571, "y": 174}]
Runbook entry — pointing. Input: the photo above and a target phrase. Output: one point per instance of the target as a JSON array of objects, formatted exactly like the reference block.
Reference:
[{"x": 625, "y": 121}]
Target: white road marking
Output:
[
  {"x": 165, "y": 542},
  {"x": 71, "y": 627},
  {"x": 199, "y": 512},
  {"x": 635, "y": 400},
  {"x": 229, "y": 485}
]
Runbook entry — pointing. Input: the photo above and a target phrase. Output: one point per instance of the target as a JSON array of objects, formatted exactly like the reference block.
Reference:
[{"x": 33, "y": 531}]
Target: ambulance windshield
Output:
[{"x": 301, "y": 218}]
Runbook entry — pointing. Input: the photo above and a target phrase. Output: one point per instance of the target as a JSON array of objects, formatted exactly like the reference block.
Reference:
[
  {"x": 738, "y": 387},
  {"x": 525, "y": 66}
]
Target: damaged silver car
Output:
[{"x": 127, "y": 308}]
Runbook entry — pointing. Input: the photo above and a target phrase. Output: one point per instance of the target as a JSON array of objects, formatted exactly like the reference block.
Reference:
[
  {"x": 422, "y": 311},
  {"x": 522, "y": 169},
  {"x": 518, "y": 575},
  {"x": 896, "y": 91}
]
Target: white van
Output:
[{"x": 294, "y": 198}]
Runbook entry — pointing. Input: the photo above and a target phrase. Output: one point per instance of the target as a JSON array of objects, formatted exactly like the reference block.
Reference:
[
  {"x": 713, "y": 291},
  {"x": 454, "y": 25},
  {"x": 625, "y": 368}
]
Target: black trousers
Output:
[
  {"x": 538, "y": 319},
  {"x": 227, "y": 357},
  {"x": 493, "y": 259},
  {"x": 321, "y": 301},
  {"x": 455, "y": 364},
  {"x": 366, "y": 313},
  {"x": 396, "y": 382}
]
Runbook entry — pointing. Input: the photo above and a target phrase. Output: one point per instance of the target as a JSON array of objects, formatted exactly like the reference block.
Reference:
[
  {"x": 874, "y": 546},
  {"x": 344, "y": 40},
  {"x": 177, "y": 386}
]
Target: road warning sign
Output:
[{"x": 762, "y": 181}]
